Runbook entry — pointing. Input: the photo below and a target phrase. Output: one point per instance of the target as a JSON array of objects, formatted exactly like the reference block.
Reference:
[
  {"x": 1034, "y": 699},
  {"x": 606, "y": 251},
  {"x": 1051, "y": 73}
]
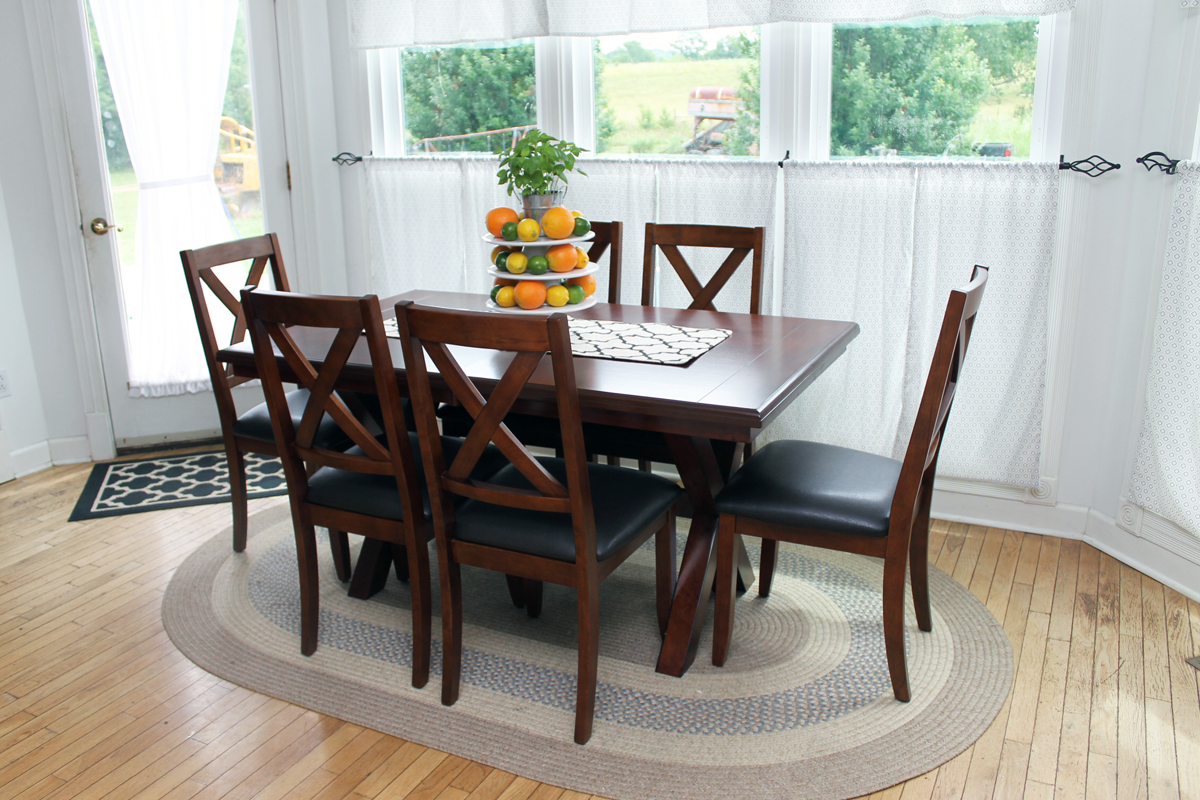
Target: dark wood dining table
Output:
[{"x": 706, "y": 410}]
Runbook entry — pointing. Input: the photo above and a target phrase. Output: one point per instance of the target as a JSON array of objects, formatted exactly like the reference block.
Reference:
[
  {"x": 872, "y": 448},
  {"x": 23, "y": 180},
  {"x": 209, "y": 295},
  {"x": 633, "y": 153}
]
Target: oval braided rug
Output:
[{"x": 803, "y": 708}]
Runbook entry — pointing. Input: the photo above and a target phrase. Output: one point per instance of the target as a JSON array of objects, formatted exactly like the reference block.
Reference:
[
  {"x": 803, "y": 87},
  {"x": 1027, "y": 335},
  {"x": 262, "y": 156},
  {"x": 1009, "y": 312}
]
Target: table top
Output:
[{"x": 731, "y": 392}]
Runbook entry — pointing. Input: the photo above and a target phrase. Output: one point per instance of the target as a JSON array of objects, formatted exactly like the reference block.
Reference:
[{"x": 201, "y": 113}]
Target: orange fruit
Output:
[
  {"x": 582, "y": 259},
  {"x": 505, "y": 282},
  {"x": 557, "y": 223},
  {"x": 587, "y": 282},
  {"x": 497, "y": 217},
  {"x": 562, "y": 257},
  {"x": 530, "y": 294}
]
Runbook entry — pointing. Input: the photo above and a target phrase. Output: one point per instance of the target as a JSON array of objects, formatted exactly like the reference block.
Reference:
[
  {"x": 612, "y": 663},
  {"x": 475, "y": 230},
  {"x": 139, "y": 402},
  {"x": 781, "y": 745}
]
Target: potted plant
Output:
[{"x": 535, "y": 168}]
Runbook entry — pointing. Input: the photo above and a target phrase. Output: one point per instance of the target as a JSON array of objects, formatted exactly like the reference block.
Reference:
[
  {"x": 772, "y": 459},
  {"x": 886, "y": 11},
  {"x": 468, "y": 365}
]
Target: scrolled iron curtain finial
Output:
[
  {"x": 346, "y": 159},
  {"x": 1092, "y": 166},
  {"x": 1159, "y": 159}
]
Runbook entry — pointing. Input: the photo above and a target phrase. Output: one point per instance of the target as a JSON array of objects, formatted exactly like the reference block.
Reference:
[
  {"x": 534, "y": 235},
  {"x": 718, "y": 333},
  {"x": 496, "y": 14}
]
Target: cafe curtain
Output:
[
  {"x": 168, "y": 64},
  {"x": 883, "y": 244},
  {"x": 1166, "y": 471},
  {"x": 396, "y": 23}
]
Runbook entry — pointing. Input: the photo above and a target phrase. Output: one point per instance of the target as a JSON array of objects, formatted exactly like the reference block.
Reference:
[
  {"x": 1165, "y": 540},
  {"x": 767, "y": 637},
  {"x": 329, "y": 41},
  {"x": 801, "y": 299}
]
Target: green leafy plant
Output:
[{"x": 537, "y": 163}]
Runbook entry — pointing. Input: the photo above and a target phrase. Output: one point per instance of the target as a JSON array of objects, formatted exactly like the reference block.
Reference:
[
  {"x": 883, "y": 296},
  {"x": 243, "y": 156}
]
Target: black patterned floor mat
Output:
[{"x": 154, "y": 484}]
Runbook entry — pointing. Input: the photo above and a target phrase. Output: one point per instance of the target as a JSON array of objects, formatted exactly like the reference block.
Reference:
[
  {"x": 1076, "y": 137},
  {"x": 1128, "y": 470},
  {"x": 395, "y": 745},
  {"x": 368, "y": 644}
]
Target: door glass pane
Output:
[
  {"x": 236, "y": 167},
  {"x": 472, "y": 97},
  {"x": 933, "y": 87},
  {"x": 693, "y": 92}
]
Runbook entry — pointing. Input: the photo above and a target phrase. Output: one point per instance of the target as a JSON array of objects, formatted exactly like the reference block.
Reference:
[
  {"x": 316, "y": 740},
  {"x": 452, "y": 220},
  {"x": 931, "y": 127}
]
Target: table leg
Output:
[
  {"x": 702, "y": 477},
  {"x": 371, "y": 571}
]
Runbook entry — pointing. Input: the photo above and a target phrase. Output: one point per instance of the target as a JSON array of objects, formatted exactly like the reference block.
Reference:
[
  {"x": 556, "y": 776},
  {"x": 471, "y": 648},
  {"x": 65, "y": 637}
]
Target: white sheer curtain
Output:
[
  {"x": 883, "y": 244},
  {"x": 394, "y": 23},
  {"x": 168, "y": 63},
  {"x": 1166, "y": 472}
]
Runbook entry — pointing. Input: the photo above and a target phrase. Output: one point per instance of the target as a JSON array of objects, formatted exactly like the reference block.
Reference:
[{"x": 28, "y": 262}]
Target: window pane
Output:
[
  {"x": 473, "y": 97},
  {"x": 932, "y": 87},
  {"x": 690, "y": 92}
]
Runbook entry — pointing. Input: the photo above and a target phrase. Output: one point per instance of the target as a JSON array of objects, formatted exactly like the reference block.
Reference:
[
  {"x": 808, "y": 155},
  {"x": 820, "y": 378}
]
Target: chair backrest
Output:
[
  {"x": 926, "y": 441},
  {"x": 198, "y": 270},
  {"x": 530, "y": 339},
  {"x": 608, "y": 238},
  {"x": 741, "y": 242},
  {"x": 268, "y": 317}
]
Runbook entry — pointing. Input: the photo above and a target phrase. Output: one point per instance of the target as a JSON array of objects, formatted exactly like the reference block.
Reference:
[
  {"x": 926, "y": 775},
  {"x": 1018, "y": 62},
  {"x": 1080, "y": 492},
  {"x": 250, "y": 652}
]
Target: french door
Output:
[{"x": 251, "y": 172}]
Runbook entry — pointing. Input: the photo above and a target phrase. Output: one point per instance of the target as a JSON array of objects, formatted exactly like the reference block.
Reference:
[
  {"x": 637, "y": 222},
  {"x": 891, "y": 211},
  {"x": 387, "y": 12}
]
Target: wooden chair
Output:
[
  {"x": 562, "y": 520},
  {"x": 841, "y": 499},
  {"x": 608, "y": 240},
  {"x": 376, "y": 487},
  {"x": 251, "y": 432},
  {"x": 740, "y": 241}
]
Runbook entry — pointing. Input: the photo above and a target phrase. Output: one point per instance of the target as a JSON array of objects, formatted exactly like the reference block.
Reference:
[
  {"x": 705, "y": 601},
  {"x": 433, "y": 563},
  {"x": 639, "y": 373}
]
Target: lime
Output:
[
  {"x": 497, "y": 251},
  {"x": 509, "y": 231},
  {"x": 538, "y": 265},
  {"x": 582, "y": 226},
  {"x": 502, "y": 261},
  {"x": 558, "y": 295},
  {"x": 495, "y": 291},
  {"x": 575, "y": 294},
  {"x": 504, "y": 297}
]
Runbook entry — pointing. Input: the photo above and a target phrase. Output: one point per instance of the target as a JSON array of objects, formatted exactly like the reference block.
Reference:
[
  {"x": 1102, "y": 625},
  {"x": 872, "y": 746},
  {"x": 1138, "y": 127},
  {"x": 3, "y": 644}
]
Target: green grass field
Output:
[
  {"x": 125, "y": 209},
  {"x": 659, "y": 91},
  {"x": 1006, "y": 118}
]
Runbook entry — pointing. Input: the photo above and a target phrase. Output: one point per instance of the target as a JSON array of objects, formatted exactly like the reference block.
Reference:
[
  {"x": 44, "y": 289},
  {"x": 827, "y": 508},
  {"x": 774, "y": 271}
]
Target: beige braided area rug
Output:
[{"x": 802, "y": 709}]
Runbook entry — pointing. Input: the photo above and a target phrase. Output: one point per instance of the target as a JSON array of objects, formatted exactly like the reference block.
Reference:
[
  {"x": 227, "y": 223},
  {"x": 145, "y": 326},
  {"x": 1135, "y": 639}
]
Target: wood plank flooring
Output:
[{"x": 95, "y": 702}]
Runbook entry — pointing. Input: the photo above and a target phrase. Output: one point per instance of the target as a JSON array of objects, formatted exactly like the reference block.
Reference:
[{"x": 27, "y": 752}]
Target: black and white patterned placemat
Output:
[
  {"x": 153, "y": 484},
  {"x": 644, "y": 342}
]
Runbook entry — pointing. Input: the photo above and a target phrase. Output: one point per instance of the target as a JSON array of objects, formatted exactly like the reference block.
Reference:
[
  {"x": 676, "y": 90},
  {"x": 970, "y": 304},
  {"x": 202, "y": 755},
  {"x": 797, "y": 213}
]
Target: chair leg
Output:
[
  {"x": 644, "y": 466},
  {"x": 726, "y": 589},
  {"x": 894, "y": 567},
  {"x": 766, "y": 566},
  {"x": 310, "y": 588},
  {"x": 613, "y": 461},
  {"x": 416, "y": 559},
  {"x": 451, "y": 580},
  {"x": 400, "y": 559},
  {"x": 665, "y": 570},
  {"x": 237, "y": 493},
  {"x": 339, "y": 543},
  {"x": 589, "y": 656},
  {"x": 918, "y": 549}
]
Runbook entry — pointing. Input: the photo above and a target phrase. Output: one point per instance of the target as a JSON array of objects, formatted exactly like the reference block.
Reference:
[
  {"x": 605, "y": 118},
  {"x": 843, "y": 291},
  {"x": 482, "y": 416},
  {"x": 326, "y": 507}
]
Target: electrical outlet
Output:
[{"x": 5, "y": 387}]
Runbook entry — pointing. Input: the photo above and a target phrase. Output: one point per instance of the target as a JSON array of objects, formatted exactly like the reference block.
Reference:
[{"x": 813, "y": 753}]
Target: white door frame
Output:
[{"x": 61, "y": 46}]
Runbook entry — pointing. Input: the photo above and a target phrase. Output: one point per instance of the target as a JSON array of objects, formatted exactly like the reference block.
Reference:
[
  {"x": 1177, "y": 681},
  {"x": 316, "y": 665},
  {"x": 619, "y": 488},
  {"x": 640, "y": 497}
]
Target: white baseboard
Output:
[
  {"x": 1015, "y": 514},
  {"x": 1163, "y": 551},
  {"x": 7, "y": 470},
  {"x": 170, "y": 438},
  {"x": 74, "y": 450},
  {"x": 34, "y": 458}
]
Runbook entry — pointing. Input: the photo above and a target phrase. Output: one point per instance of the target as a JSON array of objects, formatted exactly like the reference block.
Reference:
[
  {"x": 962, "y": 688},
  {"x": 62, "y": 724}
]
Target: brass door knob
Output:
[{"x": 100, "y": 226}]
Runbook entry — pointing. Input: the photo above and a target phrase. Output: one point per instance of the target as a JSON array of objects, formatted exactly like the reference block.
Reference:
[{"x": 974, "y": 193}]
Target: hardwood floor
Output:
[{"x": 95, "y": 702}]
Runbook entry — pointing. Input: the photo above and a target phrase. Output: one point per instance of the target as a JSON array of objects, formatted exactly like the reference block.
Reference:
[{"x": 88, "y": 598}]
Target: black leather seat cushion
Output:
[
  {"x": 256, "y": 423},
  {"x": 603, "y": 440},
  {"x": 812, "y": 485},
  {"x": 625, "y": 502},
  {"x": 377, "y": 495}
]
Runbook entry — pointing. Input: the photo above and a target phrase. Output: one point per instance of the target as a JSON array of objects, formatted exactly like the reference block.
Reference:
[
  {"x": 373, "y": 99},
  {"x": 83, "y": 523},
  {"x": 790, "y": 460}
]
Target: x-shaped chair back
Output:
[
  {"x": 920, "y": 459},
  {"x": 529, "y": 339},
  {"x": 268, "y": 316},
  {"x": 608, "y": 236},
  {"x": 199, "y": 271},
  {"x": 741, "y": 242}
]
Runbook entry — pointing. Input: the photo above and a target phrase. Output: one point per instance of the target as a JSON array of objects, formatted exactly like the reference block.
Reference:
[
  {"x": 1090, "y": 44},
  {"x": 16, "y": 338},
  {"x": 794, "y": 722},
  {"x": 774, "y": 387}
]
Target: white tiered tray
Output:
[
  {"x": 544, "y": 309},
  {"x": 541, "y": 241},
  {"x": 548, "y": 276}
]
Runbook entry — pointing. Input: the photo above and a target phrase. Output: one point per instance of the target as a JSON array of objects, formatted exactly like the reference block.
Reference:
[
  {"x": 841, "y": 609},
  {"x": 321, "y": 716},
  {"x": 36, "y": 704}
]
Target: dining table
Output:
[{"x": 707, "y": 410}]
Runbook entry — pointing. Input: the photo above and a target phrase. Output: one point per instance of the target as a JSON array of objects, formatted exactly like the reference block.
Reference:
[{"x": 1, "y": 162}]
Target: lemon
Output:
[
  {"x": 516, "y": 263},
  {"x": 581, "y": 258},
  {"x": 576, "y": 213},
  {"x": 504, "y": 297},
  {"x": 558, "y": 295},
  {"x": 528, "y": 230}
]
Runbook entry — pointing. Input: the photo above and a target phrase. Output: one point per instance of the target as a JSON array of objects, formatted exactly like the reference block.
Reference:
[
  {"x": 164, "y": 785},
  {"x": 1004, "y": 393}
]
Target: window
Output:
[
  {"x": 693, "y": 92},
  {"x": 982, "y": 88}
]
